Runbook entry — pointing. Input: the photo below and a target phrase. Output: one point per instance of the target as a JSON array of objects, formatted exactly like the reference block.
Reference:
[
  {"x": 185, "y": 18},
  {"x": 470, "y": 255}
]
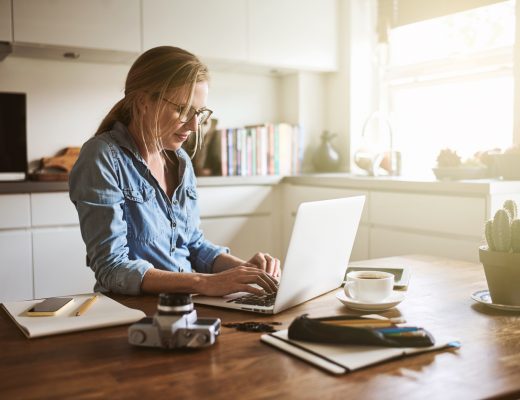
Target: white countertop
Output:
[
  {"x": 406, "y": 184},
  {"x": 340, "y": 180}
]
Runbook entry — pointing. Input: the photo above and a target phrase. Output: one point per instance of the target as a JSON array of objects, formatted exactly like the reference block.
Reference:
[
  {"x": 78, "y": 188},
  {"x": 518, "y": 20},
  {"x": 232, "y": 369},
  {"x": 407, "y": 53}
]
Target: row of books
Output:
[{"x": 267, "y": 149}]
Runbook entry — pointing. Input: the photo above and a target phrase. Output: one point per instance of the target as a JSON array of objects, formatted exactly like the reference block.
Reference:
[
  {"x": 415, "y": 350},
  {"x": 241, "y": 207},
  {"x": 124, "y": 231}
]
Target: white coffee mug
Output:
[{"x": 369, "y": 286}]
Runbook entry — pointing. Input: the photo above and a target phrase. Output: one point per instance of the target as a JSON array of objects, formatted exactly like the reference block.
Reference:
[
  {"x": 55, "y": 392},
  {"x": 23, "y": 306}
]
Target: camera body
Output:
[{"x": 174, "y": 326}]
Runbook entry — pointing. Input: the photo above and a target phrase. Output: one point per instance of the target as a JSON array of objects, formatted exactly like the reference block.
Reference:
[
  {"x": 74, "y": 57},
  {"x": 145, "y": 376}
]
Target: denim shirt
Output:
[{"x": 128, "y": 223}]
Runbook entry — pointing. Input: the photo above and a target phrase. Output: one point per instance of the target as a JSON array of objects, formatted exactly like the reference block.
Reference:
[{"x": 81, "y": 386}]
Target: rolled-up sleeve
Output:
[
  {"x": 95, "y": 192},
  {"x": 203, "y": 252}
]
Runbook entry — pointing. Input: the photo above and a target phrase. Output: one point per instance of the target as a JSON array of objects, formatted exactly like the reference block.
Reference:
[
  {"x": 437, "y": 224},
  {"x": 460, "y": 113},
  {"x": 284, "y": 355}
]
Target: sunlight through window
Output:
[{"x": 449, "y": 84}]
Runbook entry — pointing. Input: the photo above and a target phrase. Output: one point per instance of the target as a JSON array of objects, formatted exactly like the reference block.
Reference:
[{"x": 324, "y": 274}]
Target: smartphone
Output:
[{"x": 48, "y": 307}]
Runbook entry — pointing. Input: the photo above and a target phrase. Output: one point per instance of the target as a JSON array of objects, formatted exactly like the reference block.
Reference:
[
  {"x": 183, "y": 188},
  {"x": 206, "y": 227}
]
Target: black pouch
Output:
[{"x": 317, "y": 331}]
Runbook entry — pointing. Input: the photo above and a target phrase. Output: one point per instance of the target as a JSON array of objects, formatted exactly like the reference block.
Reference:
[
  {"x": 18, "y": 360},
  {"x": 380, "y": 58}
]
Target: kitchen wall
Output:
[{"x": 66, "y": 100}]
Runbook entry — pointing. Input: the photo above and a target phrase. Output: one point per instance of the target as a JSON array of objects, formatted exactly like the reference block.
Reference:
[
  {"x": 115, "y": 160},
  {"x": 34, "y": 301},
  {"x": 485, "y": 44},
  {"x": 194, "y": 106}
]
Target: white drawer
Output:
[
  {"x": 391, "y": 242},
  {"x": 235, "y": 200},
  {"x": 296, "y": 194},
  {"x": 444, "y": 214},
  {"x": 50, "y": 209},
  {"x": 15, "y": 211}
]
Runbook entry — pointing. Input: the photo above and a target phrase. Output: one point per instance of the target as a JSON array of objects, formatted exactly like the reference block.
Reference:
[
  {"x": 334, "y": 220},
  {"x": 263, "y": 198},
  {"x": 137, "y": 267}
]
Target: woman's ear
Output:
[{"x": 143, "y": 101}]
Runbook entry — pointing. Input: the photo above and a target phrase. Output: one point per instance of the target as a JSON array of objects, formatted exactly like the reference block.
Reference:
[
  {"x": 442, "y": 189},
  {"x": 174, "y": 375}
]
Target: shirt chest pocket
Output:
[{"x": 142, "y": 214}]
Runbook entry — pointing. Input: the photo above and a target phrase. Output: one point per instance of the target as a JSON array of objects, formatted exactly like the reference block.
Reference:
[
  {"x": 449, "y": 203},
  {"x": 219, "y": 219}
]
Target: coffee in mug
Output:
[{"x": 369, "y": 286}]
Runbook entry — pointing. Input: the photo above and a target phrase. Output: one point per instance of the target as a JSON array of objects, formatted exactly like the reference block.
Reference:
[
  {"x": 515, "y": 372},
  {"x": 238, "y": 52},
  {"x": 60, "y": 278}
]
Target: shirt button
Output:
[
  {"x": 175, "y": 202},
  {"x": 174, "y": 224}
]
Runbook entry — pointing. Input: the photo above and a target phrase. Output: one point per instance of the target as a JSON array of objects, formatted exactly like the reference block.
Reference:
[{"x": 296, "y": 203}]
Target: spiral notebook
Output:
[
  {"x": 340, "y": 359},
  {"x": 103, "y": 313}
]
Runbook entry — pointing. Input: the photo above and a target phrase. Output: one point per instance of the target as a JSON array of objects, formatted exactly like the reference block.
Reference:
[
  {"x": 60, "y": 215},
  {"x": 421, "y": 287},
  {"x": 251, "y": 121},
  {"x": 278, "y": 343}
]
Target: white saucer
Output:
[
  {"x": 483, "y": 297},
  {"x": 394, "y": 299}
]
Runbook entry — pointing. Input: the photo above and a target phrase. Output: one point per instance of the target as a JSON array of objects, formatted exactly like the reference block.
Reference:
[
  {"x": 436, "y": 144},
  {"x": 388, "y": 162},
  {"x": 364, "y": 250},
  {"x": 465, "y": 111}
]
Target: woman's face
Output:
[{"x": 174, "y": 132}]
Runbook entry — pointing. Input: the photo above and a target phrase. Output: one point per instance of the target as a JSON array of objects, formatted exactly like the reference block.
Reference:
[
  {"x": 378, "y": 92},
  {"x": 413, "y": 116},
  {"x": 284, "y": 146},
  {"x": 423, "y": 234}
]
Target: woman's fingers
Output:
[
  {"x": 250, "y": 289},
  {"x": 253, "y": 275},
  {"x": 266, "y": 262}
]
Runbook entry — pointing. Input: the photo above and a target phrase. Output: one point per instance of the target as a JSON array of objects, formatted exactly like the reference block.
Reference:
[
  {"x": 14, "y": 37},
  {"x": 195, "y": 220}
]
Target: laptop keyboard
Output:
[{"x": 266, "y": 300}]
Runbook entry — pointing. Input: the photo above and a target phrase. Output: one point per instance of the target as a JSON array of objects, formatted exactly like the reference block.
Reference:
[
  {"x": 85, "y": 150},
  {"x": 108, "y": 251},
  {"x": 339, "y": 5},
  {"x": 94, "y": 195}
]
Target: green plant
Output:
[
  {"x": 503, "y": 231},
  {"x": 510, "y": 206},
  {"x": 448, "y": 158}
]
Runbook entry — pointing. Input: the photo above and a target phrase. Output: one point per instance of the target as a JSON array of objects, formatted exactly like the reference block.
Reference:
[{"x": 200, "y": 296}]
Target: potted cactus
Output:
[{"x": 501, "y": 256}]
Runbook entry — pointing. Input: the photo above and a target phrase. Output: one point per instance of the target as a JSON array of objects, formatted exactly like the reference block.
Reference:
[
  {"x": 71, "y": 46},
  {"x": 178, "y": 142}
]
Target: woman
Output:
[{"x": 134, "y": 189}]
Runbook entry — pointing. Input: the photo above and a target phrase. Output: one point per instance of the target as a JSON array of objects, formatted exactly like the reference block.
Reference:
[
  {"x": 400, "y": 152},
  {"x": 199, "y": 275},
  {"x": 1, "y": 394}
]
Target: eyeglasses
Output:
[{"x": 186, "y": 113}]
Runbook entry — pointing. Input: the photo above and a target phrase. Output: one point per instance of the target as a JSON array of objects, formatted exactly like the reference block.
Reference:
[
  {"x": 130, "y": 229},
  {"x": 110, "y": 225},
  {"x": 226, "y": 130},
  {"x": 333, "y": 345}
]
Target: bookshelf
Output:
[{"x": 257, "y": 150}]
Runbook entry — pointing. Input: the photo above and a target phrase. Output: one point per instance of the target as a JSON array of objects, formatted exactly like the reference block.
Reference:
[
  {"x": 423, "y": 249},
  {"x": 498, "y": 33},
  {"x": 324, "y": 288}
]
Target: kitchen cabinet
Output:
[
  {"x": 16, "y": 278},
  {"x": 438, "y": 218},
  {"x": 243, "y": 218},
  {"x": 15, "y": 211},
  {"x": 293, "y": 34},
  {"x": 44, "y": 254},
  {"x": 59, "y": 262},
  {"x": 16, "y": 273},
  {"x": 451, "y": 215},
  {"x": 209, "y": 29},
  {"x": 299, "y": 34},
  {"x": 385, "y": 242},
  {"x": 58, "y": 249},
  {"x": 52, "y": 209},
  {"x": 6, "y": 27},
  {"x": 294, "y": 195},
  {"x": 76, "y": 24},
  {"x": 245, "y": 236}
]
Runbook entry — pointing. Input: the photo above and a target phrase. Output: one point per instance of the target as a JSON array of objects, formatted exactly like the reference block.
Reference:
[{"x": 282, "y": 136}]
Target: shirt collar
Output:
[{"x": 123, "y": 138}]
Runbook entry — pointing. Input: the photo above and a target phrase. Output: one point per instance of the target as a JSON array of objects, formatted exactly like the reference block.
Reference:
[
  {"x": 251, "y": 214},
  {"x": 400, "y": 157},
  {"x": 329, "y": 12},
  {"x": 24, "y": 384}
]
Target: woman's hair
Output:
[{"x": 157, "y": 73}]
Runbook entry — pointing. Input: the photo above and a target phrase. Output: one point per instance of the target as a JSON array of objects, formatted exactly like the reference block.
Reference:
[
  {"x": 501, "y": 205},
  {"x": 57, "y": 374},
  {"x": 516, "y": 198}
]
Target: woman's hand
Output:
[
  {"x": 266, "y": 263},
  {"x": 237, "y": 279}
]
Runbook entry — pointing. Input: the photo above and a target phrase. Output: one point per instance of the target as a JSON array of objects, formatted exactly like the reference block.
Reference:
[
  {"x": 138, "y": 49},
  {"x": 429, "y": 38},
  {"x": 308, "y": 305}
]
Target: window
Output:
[{"x": 448, "y": 83}]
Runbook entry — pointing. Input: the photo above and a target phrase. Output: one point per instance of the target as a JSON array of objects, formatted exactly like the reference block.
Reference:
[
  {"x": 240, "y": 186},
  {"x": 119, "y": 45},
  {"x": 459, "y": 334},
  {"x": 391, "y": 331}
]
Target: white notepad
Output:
[
  {"x": 104, "y": 312},
  {"x": 340, "y": 359}
]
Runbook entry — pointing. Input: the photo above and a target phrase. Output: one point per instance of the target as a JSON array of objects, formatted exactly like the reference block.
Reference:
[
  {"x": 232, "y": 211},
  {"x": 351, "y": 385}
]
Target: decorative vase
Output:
[{"x": 326, "y": 158}]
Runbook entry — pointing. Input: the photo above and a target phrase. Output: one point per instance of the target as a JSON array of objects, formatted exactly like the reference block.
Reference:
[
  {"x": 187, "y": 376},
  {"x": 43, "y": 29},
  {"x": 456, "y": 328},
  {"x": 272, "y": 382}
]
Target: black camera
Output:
[{"x": 175, "y": 325}]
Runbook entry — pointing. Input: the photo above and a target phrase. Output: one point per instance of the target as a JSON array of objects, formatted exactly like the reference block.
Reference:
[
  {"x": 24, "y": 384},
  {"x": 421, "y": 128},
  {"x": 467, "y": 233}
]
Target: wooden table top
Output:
[{"x": 101, "y": 364}]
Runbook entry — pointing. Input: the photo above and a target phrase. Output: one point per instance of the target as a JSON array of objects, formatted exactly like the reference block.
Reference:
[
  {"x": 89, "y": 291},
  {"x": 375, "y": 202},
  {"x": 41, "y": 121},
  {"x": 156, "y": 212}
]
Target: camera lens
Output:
[{"x": 174, "y": 303}]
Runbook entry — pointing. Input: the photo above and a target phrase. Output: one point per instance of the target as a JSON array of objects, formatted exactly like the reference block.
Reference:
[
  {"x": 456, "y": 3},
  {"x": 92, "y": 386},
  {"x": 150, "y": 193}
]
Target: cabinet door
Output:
[
  {"x": 15, "y": 211},
  {"x": 51, "y": 209},
  {"x": 94, "y": 24},
  {"x": 16, "y": 276},
  {"x": 6, "y": 31},
  {"x": 245, "y": 236},
  {"x": 59, "y": 263},
  {"x": 392, "y": 242},
  {"x": 452, "y": 215},
  {"x": 207, "y": 28},
  {"x": 293, "y": 33},
  {"x": 294, "y": 195}
]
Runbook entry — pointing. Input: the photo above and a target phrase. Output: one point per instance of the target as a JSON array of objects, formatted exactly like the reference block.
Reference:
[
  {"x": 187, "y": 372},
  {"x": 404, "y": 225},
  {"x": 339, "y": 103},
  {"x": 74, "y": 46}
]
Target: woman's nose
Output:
[{"x": 193, "y": 123}]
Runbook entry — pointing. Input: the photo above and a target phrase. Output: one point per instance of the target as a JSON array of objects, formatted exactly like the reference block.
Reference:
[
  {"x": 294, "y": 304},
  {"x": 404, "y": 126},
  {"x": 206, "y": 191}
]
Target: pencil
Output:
[
  {"x": 86, "y": 305},
  {"x": 362, "y": 323}
]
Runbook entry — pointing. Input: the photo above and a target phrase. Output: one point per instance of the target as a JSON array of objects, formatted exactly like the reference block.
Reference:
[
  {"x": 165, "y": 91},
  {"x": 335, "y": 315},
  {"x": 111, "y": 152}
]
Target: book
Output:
[
  {"x": 104, "y": 312},
  {"x": 340, "y": 359}
]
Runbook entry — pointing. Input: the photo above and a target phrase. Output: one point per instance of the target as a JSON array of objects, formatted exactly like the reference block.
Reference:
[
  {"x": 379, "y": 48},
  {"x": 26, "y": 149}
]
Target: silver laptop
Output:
[{"x": 316, "y": 260}]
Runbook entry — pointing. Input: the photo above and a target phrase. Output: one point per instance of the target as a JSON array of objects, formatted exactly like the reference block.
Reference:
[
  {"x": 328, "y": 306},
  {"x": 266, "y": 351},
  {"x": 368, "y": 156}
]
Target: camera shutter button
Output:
[{"x": 137, "y": 336}]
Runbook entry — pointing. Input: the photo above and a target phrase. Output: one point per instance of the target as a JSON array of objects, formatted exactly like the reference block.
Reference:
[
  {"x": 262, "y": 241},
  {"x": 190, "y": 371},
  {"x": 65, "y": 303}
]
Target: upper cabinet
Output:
[
  {"x": 280, "y": 34},
  {"x": 6, "y": 28},
  {"x": 293, "y": 34},
  {"x": 299, "y": 34},
  {"x": 208, "y": 28},
  {"x": 94, "y": 24}
]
